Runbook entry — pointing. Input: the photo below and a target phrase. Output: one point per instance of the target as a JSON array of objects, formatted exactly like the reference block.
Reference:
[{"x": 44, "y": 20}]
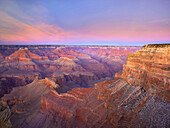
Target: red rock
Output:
[
  {"x": 149, "y": 68},
  {"x": 118, "y": 75},
  {"x": 134, "y": 100},
  {"x": 1, "y": 57},
  {"x": 24, "y": 53}
]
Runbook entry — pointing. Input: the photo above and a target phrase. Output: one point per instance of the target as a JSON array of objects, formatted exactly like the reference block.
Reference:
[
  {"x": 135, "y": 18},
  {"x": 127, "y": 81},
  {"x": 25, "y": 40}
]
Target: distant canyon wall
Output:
[{"x": 69, "y": 66}]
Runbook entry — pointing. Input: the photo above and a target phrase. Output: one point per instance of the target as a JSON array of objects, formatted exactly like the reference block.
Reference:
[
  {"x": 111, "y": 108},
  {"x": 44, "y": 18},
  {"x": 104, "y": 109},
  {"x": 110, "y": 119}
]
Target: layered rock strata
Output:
[
  {"x": 150, "y": 68},
  {"x": 25, "y": 102},
  {"x": 133, "y": 100},
  {"x": 23, "y": 59}
]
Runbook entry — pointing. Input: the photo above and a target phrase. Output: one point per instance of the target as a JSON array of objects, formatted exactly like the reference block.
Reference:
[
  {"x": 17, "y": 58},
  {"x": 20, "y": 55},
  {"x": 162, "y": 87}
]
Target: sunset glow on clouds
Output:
[
  {"x": 14, "y": 30},
  {"x": 70, "y": 22}
]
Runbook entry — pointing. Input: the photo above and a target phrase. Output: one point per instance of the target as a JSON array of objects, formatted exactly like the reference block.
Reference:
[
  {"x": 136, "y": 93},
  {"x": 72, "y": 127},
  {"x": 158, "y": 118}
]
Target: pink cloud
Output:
[{"x": 13, "y": 30}]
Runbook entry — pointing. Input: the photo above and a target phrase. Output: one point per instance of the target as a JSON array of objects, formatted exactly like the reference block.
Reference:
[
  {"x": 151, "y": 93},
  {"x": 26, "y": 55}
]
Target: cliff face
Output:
[
  {"x": 75, "y": 79},
  {"x": 13, "y": 78},
  {"x": 131, "y": 106},
  {"x": 25, "y": 102},
  {"x": 149, "y": 68}
]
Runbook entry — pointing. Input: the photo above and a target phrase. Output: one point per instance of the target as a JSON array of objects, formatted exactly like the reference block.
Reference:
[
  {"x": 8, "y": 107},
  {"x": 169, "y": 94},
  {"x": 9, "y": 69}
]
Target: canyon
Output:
[
  {"x": 68, "y": 66},
  {"x": 59, "y": 93}
]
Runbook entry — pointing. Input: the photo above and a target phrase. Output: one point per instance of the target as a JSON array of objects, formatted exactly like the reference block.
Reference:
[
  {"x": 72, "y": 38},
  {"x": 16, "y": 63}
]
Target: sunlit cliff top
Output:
[{"x": 156, "y": 45}]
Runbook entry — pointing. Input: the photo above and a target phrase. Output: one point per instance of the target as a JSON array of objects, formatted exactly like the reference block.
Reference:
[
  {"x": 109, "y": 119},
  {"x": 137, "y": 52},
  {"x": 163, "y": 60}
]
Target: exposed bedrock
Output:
[
  {"x": 5, "y": 115},
  {"x": 137, "y": 98},
  {"x": 150, "y": 68}
]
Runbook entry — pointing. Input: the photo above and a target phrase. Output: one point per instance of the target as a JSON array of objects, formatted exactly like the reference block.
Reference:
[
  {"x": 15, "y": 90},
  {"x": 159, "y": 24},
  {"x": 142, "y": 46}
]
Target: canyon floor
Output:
[{"x": 85, "y": 86}]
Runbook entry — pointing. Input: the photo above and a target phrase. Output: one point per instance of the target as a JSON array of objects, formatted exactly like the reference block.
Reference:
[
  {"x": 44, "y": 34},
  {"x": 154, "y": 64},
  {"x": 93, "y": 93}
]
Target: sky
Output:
[{"x": 84, "y": 22}]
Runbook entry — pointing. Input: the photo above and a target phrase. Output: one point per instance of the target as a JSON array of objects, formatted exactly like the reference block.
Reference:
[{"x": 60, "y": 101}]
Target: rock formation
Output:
[
  {"x": 64, "y": 61},
  {"x": 14, "y": 78},
  {"x": 1, "y": 57},
  {"x": 113, "y": 57},
  {"x": 5, "y": 116},
  {"x": 25, "y": 101},
  {"x": 150, "y": 69},
  {"x": 133, "y": 100},
  {"x": 73, "y": 66},
  {"x": 23, "y": 59}
]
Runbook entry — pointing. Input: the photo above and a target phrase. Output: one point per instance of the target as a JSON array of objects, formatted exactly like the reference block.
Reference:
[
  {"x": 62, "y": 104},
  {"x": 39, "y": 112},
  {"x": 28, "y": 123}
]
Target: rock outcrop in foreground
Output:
[
  {"x": 25, "y": 101},
  {"x": 5, "y": 116},
  {"x": 139, "y": 99},
  {"x": 150, "y": 68}
]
